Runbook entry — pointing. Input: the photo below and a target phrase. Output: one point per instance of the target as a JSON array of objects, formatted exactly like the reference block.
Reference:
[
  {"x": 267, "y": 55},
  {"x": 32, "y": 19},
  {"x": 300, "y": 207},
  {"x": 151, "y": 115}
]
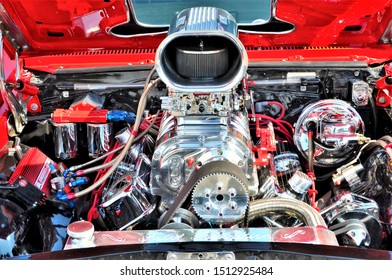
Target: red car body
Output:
[{"x": 67, "y": 35}]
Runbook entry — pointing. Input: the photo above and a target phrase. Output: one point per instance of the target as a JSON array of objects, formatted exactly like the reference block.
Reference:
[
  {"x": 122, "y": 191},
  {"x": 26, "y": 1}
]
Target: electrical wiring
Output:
[
  {"x": 142, "y": 104},
  {"x": 277, "y": 123},
  {"x": 282, "y": 110}
]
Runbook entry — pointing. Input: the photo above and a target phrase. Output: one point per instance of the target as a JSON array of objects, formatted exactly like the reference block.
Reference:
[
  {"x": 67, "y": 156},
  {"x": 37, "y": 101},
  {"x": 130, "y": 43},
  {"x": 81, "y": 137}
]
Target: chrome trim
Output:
[
  {"x": 12, "y": 31},
  {"x": 201, "y": 256},
  {"x": 296, "y": 208},
  {"x": 17, "y": 111},
  {"x": 65, "y": 139},
  {"x": 99, "y": 138},
  {"x": 308, "y": 235}
]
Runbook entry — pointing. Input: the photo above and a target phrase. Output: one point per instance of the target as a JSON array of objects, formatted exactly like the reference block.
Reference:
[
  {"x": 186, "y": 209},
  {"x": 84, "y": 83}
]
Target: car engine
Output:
[{"x": 203, "y": 141}]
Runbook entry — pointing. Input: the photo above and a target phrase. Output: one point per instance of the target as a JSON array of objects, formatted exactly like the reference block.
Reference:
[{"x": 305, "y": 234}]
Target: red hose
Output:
[
  {"x": 282, "y": 110},
  {"x": 277, "y": 123}
]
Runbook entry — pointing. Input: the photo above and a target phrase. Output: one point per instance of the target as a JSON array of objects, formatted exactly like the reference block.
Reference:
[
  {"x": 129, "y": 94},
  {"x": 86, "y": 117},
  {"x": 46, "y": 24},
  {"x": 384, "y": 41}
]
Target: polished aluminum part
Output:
[
  {"x": 81, "y": 233},
  {"x": 296, "y": 187},
  {"x": 185, "y": 144},
  {"x": 353, "y": 207},
  {"x": 286, "y": 163},
  {"x": 182, "y": 219},
  {"x": 269, "y": 188},
  {"x": 299, "y": 184},
  {"x": 134, "y": 200},
  {"x": 12, "y": 32},
  {"x": 201, "y": 256},
  {"x": 220, "y": 198},
  {"x": 202, "y": 24},
  {"x": 348, "y": 174},
  {"x": 339, "y": 130},
  {"x": 220, "y": 103},
  {"x": 99, "y": 138},
  {"x": 123, "y": 135},
  {"x": 360, "y": 91},
  {"x": 308, "y": 235},
  {"x": 352, "y": 233},
  {"x": 58, "y": 183},
  {"x": 204, "y": 18},
  {"x": 126, "y": 199},
  {"x": 348, "y": 202},
  {"x": 65, "y": 138},
  {"x": 19, "y": 117},
  {"x": 291, "y": 207}
]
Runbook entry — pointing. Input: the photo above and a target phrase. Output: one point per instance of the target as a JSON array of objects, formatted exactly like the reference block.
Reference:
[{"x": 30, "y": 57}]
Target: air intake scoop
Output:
[{"x": 202, "y": 52}]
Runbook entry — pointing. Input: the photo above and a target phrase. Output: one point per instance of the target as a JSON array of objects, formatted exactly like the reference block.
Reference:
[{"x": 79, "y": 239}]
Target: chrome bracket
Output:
[{"x": 19, "y": 117}]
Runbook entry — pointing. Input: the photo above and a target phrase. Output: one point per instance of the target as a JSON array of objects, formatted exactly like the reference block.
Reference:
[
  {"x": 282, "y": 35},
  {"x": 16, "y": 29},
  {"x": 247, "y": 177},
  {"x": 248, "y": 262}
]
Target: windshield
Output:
[{"x": 161, "y": 12}]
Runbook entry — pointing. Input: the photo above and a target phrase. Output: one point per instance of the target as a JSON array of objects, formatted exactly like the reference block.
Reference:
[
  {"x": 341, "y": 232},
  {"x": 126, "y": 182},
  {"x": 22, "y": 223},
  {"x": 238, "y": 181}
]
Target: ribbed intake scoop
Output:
[{"x": 202, "y": 52}]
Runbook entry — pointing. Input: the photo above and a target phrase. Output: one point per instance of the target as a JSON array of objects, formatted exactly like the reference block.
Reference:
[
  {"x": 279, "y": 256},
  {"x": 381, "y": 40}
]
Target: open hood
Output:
[
  {"x": 132, "y": 124},
  {"x": 56, "y": 26}
]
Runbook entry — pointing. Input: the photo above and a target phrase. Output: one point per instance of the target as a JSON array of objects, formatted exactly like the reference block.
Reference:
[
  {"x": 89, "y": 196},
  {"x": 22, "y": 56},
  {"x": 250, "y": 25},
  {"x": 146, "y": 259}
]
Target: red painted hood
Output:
[{"x": 60, "y": 26}]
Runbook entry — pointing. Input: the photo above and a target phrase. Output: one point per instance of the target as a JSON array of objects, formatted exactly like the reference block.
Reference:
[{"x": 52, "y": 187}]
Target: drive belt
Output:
[{"x": 209, "y": 168}]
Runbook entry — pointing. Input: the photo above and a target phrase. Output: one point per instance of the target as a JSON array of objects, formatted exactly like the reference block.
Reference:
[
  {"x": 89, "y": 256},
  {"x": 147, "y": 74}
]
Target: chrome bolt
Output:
[
  {"x": 34, "y": 106},
  {"x": 382, "y": 100}
]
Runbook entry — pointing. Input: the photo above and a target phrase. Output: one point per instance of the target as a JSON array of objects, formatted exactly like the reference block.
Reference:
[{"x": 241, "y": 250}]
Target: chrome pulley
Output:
[{"x": 220, "y": 198}]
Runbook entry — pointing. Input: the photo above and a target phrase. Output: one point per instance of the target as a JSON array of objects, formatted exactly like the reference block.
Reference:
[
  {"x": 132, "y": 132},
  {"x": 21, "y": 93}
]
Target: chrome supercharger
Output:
[{"x": 204, "y": 147}]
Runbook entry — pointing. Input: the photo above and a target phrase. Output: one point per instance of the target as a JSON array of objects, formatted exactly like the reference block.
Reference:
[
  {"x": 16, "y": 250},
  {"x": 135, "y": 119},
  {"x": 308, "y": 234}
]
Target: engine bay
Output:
[{"x": 202, "y": 140}]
